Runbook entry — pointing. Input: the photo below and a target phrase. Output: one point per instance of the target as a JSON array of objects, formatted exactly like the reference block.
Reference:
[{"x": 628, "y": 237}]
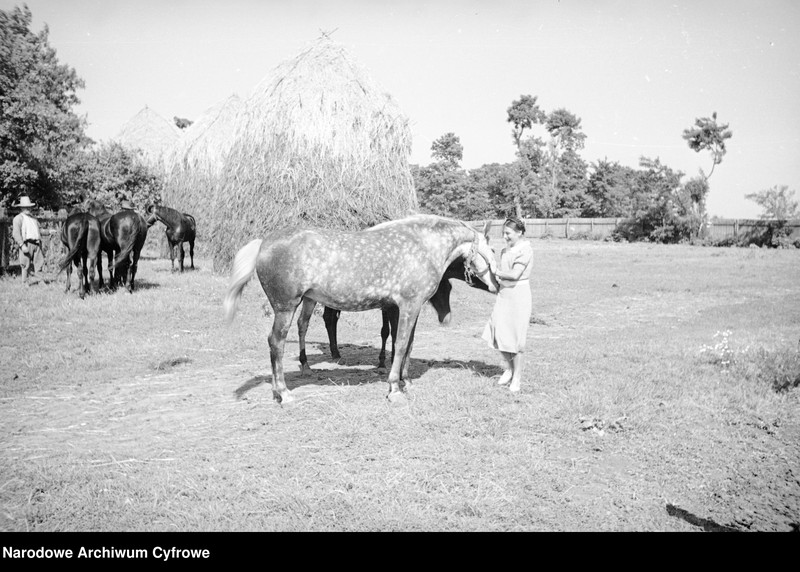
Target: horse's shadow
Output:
[{"x": 350, "y": 369}]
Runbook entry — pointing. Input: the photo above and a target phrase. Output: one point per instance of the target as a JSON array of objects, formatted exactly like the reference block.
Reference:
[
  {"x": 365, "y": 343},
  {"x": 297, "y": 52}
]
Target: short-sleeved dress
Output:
[{"x": 507, "y": 328}]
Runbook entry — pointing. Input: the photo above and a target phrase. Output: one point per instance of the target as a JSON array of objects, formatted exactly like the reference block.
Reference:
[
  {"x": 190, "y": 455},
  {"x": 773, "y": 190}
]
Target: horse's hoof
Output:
[
  {"x": 285, "y": 398},
  {"x": 305, "y": 370},
  {"x": 397, "y": 398}
]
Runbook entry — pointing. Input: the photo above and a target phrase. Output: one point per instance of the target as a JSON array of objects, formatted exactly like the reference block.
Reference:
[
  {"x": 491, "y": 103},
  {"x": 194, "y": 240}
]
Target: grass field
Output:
[{"x": 659, "y": 395}]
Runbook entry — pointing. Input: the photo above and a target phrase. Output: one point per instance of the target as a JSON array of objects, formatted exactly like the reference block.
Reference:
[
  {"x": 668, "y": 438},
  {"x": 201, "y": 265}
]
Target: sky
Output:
[{"x": 637, "y": 73}]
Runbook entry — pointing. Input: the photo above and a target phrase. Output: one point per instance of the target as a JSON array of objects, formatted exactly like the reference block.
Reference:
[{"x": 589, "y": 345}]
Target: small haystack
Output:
[
  {"x": 194, "y": 164},
  {"x": 317, "y": 144},
  {"x": 151, "y": 134}
]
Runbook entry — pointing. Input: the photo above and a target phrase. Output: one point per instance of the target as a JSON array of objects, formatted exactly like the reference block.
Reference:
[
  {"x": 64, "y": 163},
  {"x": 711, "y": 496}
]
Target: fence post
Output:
[
  {"x": 566, "y": 229},
  {"x": 736, "y": 229}
]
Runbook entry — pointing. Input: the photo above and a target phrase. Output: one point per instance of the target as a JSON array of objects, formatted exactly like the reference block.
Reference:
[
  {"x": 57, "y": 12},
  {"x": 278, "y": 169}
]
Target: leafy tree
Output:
[
  {"x": 496, "y": 184},
  {"x": 776, "y": 203},
  {"x": 41, "y": 138},
  {"x": 448, "y": 149},
  {"x": 778, "y": 207},
  {"x": 610, "y": 190},
  {"x": 573, "y": 185},
  {"x": 524, "y": 113},
  {"x": 706, "y": 135},
  {"x": 118, "y": 174}
]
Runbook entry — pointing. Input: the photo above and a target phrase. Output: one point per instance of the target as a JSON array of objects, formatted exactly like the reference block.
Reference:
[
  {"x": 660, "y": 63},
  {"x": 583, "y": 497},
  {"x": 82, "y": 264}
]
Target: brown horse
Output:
[
  {"x": 440, "y": 301},
  {"x": 122, "y": 233},
  {"x": 81, "y": 236},
  {"x": 397, "y": 263},
  {"x": 181, "y": 227}
]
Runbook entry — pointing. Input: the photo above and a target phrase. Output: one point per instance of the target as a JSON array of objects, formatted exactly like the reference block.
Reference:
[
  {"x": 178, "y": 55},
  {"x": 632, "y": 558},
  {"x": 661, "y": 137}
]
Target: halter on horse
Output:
[
  {"x": 397, "y": 263},
  {"x": 81, "y": 236},
  {"x": 181, "y": 227}
]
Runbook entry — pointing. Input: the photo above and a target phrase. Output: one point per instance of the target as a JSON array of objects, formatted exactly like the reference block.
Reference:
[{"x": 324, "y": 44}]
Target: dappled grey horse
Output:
[{"x": 398, "y": 263}]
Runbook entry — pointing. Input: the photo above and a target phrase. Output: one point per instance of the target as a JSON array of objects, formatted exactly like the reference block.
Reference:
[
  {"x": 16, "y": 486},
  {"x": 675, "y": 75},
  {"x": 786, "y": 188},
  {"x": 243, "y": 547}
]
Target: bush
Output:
[{"x": 779, "y": 368}]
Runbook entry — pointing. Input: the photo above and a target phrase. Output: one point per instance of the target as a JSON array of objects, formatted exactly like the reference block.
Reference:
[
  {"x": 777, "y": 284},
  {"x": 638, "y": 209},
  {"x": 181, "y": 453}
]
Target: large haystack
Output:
[
  {"x": 317, "y": 144},
  {"x": 194, "y": 164},
  {"x": 151, "y": 134}
]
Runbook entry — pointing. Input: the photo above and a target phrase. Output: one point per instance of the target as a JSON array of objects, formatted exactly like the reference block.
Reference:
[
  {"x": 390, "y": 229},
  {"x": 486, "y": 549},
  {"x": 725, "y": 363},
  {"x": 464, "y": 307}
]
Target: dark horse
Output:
[
  {"x": 81, "y": 236},
  {"x": 122, "y": 234},
  {"x": 397, "y": 263},
  {"x": 440, "y": 301},
  {"x": 181, "y": 228}
]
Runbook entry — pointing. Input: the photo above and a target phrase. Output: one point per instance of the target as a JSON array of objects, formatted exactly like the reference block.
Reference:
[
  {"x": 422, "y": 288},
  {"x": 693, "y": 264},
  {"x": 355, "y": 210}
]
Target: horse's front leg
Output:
[
  {"x": 302, "y": 327},
  {"x": 407, "y": 318},
  {"x": 331, "y": 317},
  {"x": 277, "y": 341},
  {"x": 191, "y": 251},
  {"x": 405, "y": 378},
  {"x": 91, "y": 262}
]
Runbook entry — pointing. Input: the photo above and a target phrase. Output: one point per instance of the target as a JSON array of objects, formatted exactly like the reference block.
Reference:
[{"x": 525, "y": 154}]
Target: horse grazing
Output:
[
  {"x": 181, "y": 227},
  {"x": 440, "y": 301},
  {"x": 81, "y": 237},
  {"x": 397, "y": 263},
  {"x": 122, "y": 233}
]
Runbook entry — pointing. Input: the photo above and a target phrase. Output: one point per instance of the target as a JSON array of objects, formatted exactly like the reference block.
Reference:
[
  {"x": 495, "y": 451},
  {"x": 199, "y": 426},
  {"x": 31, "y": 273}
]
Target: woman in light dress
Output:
[{"x": 508, "y": 325}]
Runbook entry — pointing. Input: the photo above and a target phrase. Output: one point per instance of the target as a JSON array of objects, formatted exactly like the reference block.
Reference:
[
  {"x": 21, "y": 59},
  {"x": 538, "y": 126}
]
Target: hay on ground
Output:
[{"x": 317, "y": 144}]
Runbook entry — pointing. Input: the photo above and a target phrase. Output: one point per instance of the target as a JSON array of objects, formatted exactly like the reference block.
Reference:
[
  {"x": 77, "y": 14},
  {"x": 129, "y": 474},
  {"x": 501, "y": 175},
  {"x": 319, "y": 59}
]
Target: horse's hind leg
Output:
[
  {"x": 277, "y": 341},
  {"x": 302, "y": 327},
  {"x": 331, "y": 317},
  {"x": 191, "y": 251},
  {"x": 405, "y": 378},
  {"x": 183, "y": 254},
  {"x": 390, "y": 316},
  {"x": 82, "y": 274},
  {"x": 69, "y": 278}
]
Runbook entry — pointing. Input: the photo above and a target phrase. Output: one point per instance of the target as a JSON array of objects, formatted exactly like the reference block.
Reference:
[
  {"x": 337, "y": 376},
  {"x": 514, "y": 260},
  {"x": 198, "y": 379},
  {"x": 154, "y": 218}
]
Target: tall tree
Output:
[
  {"x": 523, "y": 114},
  {"x": 448, "y": 148},
  {"x": 40, "y": 134},
  {"x": 565, "y": 133},
  {"x": 706, "y": 135}
]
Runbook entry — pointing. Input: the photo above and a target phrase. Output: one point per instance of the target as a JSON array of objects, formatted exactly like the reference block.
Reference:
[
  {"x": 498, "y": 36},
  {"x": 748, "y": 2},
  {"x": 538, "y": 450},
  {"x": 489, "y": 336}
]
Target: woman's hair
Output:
[{"x": 516, "y": 223}]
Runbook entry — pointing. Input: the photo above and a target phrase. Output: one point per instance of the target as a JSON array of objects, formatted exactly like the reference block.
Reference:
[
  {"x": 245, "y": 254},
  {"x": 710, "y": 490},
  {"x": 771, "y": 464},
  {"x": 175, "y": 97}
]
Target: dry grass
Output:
[
  {"x": 151, "y": 134},
  {"x": 317, "y": 143},
  {"x": 143, "y": 413}
]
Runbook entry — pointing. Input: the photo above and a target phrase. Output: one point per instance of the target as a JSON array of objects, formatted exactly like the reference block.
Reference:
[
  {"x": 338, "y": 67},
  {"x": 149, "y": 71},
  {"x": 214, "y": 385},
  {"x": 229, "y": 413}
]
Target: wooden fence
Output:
[
  {"x": 50, "y": 228},
  {"x": 600, "y": 228}
]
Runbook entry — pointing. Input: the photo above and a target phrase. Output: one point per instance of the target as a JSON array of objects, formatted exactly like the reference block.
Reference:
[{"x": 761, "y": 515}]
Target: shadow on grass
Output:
[
  {"x": 708, "y": 525},
  {"x": 350, "y": 369}
]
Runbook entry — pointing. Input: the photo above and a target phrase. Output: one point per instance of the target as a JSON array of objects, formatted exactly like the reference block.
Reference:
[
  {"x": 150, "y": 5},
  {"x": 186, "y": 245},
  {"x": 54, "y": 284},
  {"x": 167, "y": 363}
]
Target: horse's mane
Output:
[{"x": 168, "y": 216}]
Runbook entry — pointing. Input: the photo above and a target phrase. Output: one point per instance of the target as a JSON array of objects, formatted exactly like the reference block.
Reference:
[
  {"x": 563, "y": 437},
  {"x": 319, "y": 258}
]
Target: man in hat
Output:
[{"x": 28, "y": 238}]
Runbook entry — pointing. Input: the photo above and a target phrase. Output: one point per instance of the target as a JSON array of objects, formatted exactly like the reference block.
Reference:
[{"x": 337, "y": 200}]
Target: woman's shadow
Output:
[{"x": 358, "y": 366}]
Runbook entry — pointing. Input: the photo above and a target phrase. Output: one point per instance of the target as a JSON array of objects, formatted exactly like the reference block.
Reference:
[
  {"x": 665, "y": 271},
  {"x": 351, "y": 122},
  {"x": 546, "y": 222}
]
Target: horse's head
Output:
[
  {"x": 96, "y": 208},
  {"x": 480, "y": 258}
]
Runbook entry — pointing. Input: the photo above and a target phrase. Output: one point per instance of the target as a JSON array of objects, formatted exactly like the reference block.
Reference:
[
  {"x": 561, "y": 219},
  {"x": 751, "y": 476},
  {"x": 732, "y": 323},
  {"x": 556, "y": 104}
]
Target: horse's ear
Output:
[{"x": 487, "y": 227}]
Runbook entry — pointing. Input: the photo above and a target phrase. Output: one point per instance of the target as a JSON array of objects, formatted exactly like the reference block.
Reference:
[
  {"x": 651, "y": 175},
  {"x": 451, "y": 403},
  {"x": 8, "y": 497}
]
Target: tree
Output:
[
  {"x": 777, "y": 203},
  {"x": 448, "y": 149},
  {"x": 610, "y": 190},
  {"x": 706, "y": 135},
  {"x": 524, "y": 113},
  {"x": 118, "y": 174},
  {"x": 41, "y": 139},
  {"x": 564, "y": 128}
]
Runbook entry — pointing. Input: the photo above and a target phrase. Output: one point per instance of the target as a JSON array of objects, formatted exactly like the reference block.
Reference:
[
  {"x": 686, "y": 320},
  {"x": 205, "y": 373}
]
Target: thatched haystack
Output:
[
  {"x": 317, "y": 144},
  {"x": 194, "y": 164},
  {"x": 151, "y": 134}
]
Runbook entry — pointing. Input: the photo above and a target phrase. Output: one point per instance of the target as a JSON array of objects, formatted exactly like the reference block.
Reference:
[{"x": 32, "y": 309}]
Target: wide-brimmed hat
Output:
[{"x": 24, "y": 201}]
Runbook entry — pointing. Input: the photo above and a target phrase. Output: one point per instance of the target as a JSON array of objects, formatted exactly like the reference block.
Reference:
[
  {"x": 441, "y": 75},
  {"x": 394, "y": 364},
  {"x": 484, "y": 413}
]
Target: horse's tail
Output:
[
  {"x": 243, "y": 266},
  {"x": 77, "y": 247},
  {"x": 136, "y": 230}
]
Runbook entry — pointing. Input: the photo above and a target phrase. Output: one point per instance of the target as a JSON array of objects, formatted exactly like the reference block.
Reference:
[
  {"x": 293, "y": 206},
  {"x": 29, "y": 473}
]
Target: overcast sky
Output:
[{"x": 636, "y": 72}]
